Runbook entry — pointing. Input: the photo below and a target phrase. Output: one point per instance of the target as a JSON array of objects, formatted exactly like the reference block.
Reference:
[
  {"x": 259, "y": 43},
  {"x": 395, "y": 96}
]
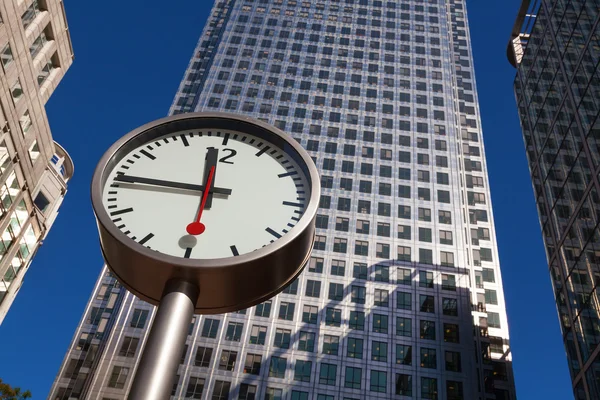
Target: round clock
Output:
[{"x": 227, "y": 203}]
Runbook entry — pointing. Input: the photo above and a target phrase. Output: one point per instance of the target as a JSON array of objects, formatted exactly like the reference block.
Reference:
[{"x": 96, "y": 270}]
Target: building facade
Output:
[
  {"x": 402, "y": 297},
  {"x": 555, "y": 46},
  {"x": 35, "y": 53}
]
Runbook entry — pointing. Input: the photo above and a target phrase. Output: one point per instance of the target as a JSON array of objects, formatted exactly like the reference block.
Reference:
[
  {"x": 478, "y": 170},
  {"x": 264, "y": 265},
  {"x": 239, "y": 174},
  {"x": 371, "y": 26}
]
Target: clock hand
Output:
[
  {"x": 212, "y": 157},
  {"x": 170, "y": 184},
  {"x": 197, "y": 227},
  {"x": 210, "y": 169}
]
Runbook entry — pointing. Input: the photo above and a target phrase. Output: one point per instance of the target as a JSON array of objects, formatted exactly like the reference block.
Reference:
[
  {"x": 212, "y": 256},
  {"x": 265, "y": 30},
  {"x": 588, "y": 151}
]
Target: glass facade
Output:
[
  {"x": 558, "y": 90},
  {"x": 403, "y": 295}
]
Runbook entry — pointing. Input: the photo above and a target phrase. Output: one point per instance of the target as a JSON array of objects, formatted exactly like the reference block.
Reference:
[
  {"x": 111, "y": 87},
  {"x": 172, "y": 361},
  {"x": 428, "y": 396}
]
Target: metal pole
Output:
[{"x": 156, "y": 371}]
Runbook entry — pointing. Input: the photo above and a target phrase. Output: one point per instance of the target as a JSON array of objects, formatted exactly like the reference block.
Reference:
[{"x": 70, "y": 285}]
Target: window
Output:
[
  {"x": 203, "y": 356},
  {"x": 331, "y": 344},
  {"x": 264, "y": 309},
  {"x": 404, "y": 254},
  {"x": 361, "y": 248},
  {"x": 6, "y": 56},
  {"x": 286, "y": 311},
  {"x": 353, "y": 378},
  {"x": 357, "y": 320},
  {"x": 404, "y": 385},
  {"x": 378, "y": 381},
  {"x": 404, "y": 232},
  {"x": 403, "y": 327},
  {"x": 210, "y": 328},
  {"x": 234, "y": 331},
  {"x": 227, "y": 361},
  {"x": 424, "y": 214},
  {"x": 380, "y": 323},
  {"x": 383, "y": 229},
  {"x": 360, "y": 271},
  {"x": 450, "y": 307},
  {"x": 403, "y": 354},
  {"x": 306, "y": 341},
  {"x": 333, "y": 317},
  {"x": 247, "y": 392},
  {"x": 297, "y": 395},
  {"x": 16, "y": 92},
  {"x": 452, "y": 361},
  {"x": 426, "y": 279},
  {"x": 445, "y": 217},
  {"x": 491, "y": 297},
  {"x": 313, "y": 288},
  {"x": 448, "y": 282},
  {"x": 302, "y": 371},
  {"x": 194, "y": 388},
  {"x": 316, "y": 265},
  {"x": 336, "y": 291},
  {"x": 273, "y": 394},
  {"x": 282, "y": 338},
  {"x": 429, "y": 388},
  {"x": 338, "y": 267},
  {"x": 454, "y": 391},
  {"x": 118, "y": 377},
  {"x": 379, "y": 351},
  {"x": 139, "y": 318},
  {"x": 355, "y": 348},
  {"x": 34, "y": 151},
  {"x": 493, "y": 320},
  {"x": 428, "y": 358},
  {"x": 277, "y": 367},
  {"x": 129, "y": 346},
  {"x": 340, "y": 245},
  {"x": 362, "y": 226},
  {"x": 258, "y": 334},
  {"x": 427, "y": 330},
  {"x": 445, "y": 237},
  {"x": 327, "y": 374},
  {"x": 38, "y": 43},
  {"x": 381, "y": 298},
  {"x": 427, "y": 303},
  {"x": 404, "y": 275},
  {"x": 425, "y": 235}
]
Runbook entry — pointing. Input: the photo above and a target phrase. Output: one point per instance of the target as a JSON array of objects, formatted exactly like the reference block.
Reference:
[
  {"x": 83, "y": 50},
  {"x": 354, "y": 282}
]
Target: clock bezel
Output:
[{"x": 226, "y": 284}]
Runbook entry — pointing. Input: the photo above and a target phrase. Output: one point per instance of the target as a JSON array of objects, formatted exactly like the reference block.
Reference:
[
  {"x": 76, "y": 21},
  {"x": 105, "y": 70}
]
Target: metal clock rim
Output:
[{"x": 104, "y": 219}]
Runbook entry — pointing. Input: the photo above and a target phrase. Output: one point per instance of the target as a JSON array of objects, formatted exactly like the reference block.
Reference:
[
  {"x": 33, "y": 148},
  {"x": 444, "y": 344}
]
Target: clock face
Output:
[{"x": 157, "y": 195}]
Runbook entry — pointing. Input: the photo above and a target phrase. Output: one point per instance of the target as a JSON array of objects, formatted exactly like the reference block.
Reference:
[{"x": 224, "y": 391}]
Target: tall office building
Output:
[
  {"x": 35, "y": 53},
  {"x": 555, "y": 47},
  {"x": 402, "y": 297}
]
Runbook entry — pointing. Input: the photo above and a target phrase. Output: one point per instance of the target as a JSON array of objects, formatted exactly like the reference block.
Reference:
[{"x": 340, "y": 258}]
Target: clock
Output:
[{"x": 227, "y": 203}]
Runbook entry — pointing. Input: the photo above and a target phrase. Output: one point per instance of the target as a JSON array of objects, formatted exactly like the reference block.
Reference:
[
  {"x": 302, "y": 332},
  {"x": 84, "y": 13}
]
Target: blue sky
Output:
[{"x": 129, "y": 59}]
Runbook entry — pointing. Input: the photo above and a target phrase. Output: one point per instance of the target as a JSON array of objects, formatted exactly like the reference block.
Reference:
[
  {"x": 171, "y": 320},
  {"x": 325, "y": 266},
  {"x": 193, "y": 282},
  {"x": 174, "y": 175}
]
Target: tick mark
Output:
[
  {"x": 272, "y": 232},
  {"x": 150, "y": 156},
  {"x": 234, "y": 250},
  {"x": 146, "y": 238},
  {"x": 188, "y": 252},
  {"x": 225, "y": 139},
  {"x": 289, "y": 203},
  {"x": 184, "y": 140},
  {"x": 286, "y": 174},
  {"x": 123, "y": 211},
  {"x": 264, "y": 149}
]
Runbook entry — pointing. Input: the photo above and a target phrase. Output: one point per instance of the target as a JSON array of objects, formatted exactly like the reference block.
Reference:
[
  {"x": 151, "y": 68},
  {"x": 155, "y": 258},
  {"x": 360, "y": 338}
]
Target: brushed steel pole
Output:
[{"x": 156, "y": 371}]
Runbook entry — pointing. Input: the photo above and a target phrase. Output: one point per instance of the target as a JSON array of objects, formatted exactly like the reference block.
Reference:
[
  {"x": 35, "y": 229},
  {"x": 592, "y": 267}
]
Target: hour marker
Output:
[
  {"x": 188, "y": 252},
  {"x": 112, "y": 206},
  {"x": 290, "y": 225},
  {"x": 289, "y": 203},
  {"x": 146, "y": 238},
  {"x": 150, "y": 147},
  {"x": 272, "y": 232},
  {"x": 121, "y": 226},
  {"x": 157, "y": 144},
  {"x": 117, "y": 219},
  {"x": 130, "y": 161},
  {"x": 191, "y": 134},
  {"x": 112, "y": 199},
  {"x": 225, "y": 139},
  {"x": 136, "y": 156},
  {"x": 209, "y": 133},
  {"x": 295, "y": 219},
  {"x": 150, "y": 156},
  {"x": 127, "y": 232},
  {"x": 264, "y": 149},
  {"x": 112, "y": 192},
  {"x": 166, "y": 140},
  {"x": 285, "y": 174},
  {"x": 234, "y": 250},
  {"x": 124, "y": 167},
  {"x": 184, "y": 140},
  {"x": 119, "y": 212}
]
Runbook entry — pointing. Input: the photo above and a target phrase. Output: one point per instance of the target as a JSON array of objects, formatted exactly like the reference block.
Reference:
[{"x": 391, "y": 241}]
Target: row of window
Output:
[{"x": 378, "y": 383}]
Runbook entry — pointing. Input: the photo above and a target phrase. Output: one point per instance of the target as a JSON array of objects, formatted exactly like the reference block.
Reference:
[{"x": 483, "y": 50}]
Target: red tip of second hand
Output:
[{"x": 195, "y": 228}]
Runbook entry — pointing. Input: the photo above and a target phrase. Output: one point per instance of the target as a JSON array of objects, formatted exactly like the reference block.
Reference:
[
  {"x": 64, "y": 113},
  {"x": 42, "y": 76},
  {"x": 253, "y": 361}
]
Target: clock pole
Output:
[{"x": 158, "y": 366}]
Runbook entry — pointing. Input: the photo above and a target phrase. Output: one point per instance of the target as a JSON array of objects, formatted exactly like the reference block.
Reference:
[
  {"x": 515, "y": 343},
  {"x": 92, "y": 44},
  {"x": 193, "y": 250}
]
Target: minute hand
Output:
[{"x": 171, "y": 184}]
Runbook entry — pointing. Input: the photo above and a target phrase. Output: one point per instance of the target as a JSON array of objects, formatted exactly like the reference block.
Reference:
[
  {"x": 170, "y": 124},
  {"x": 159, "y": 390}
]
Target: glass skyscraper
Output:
[
  {"x": 555, "y": 47},
  {"x": 402, "y": 297}
]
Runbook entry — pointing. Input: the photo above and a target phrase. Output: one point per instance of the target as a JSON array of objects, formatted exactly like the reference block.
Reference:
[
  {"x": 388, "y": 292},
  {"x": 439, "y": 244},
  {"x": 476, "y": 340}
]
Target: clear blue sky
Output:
[{"x": 129, "y": 59}]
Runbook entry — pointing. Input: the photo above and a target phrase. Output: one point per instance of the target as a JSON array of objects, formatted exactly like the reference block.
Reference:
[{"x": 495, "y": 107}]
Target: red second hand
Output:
[{"x": 197, "y": 227}]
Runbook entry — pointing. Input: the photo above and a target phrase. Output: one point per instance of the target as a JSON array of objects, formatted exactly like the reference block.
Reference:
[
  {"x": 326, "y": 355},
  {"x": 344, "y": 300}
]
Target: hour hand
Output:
[{"x": 170, "y": 184}]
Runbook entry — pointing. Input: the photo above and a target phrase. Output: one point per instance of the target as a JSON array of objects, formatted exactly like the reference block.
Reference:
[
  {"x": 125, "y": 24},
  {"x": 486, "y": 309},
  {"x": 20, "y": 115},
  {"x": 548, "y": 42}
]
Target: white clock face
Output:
[{"x": 156, "y": 194}]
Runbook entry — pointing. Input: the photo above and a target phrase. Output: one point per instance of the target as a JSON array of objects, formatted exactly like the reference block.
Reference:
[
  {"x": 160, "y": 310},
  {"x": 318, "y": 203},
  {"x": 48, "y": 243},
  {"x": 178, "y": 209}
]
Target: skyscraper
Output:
[
  {"x": 555, "y": 47},
  {"x": 403, "y": 295},
  {"x": 35, "y": 53}
]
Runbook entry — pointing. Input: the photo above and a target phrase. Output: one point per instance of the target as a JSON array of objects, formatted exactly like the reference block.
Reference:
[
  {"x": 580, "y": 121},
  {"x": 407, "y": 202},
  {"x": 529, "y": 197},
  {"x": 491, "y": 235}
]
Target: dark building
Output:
[{"x": 555, "y": 46}]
